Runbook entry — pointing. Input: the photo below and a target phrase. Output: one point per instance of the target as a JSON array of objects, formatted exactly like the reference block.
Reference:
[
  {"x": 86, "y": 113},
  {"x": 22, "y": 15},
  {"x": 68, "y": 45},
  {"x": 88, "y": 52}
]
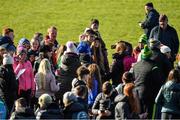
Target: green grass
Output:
[{"x": 118, "y": 18}]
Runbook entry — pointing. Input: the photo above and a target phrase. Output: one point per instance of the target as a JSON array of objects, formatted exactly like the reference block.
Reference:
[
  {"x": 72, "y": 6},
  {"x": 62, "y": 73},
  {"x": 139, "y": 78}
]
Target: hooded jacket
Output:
[
  {"x": 73, "y": 108},
  {"x": 169, "y": 98},
  {"x": 26, "y": 80},
  {"x": 122, "y": 109},
  {"x": 52, "y": 111}
]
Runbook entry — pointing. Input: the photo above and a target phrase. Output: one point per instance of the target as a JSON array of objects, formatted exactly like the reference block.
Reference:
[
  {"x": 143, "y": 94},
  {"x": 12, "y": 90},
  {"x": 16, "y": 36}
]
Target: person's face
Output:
[
  {"x": 35, "y": 45},
  {"x": 27, "y": 46},
  {"x": 11, "y": 35},
  {"x": 32, "y": 58},
  {"x": 168, "y": 54},
  {"x": 163, "y": 24},
  {"x": 147, "y": 9},
  {"x": 22, "y": 57},
  {"x": 52, "y": 34},
  {"x": 90, "y": 38},
  {"x": 96, "y": 43},
  {"x": 95, "y": 26},
  {"x": 49, "y": 54}
]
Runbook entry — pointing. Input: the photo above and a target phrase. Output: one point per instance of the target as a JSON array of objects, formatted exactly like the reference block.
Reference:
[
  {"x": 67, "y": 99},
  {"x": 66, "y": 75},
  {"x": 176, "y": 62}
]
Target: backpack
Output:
[{"x": 82, "y": 115}]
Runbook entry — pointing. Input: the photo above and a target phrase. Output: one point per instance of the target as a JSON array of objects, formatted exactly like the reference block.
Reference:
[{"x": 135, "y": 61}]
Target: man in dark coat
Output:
[
  {"x": 147, "y": 81},
  {"x": 151, "y": 19},
  {"x": 167, "y": 35},
  {"x": 163, "y": 63}
]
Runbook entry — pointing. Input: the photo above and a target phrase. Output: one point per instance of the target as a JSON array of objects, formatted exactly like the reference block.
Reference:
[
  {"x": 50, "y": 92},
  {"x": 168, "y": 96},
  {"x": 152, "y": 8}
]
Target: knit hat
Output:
[
  {"x": 165, "y": 49},
  {"x": 143, "y": 39},
  {"x": 146, "y": 53},
  {"x": 77, "y": 82},
  {"x": 45, "y": 99},
  {"x": 7, "y": 59},
  {"x": 71, "y": 47},
  {"x": 21, "y": 50},
  {"x": 69, "y": 97},
  {"x": 23, "y": 41},
  {"x": 11, "y": 48},
  {"x": 154, "y": 43}
]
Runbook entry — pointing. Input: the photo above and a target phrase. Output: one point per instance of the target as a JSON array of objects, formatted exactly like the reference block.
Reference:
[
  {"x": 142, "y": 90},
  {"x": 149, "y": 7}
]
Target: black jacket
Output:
[
  {"x": 117, "y": 68},
  {"x": 152, "y": 20},
  {"x": 51, "y": 112},
  {"x": 148, "y": 81},
  {"x": 122, "y": 109},
  {"x": 70, "y": 63},
  {"x": 167, "y": 37},
  {"x": 162, "y": 62},
  {"x": 8, "y": 85}
]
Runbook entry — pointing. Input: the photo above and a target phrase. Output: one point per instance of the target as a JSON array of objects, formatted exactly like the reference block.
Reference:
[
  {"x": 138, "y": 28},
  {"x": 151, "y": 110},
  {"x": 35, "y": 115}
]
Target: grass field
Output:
[{"x": 118, "y": 18}]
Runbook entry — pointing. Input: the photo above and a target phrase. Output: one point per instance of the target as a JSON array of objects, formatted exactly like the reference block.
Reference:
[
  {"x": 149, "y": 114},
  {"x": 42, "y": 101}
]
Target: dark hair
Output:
[
  {"x": 90, "y": 32},
  {"x": 107, "y": 88},
  {"x": 149, "y": 4},
  {"x": 163, "y": 17},
  {"x": 22, "y": 102},
  {"x": 81, "y": 90},
  {"x": 94, "y": 21},
  {"x": 127, "y": 77},
  {"x": 174, "y": 75},
  {"x": 81, "y": 71},
  {"x": 37, "y": 34},
  {"x": 7, "y": 30}
]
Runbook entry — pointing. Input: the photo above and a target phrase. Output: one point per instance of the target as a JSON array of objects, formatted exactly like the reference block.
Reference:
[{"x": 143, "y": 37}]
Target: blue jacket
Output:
[
  {"x": 3, "y": 110},
  {"x": 84, "y": 47},
  {"x": 92, "y": 93},
  {"x": 152, "y": 20}
]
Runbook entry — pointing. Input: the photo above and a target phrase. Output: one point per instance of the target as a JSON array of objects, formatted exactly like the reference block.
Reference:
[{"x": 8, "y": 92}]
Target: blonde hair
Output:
[{"x": 44, "y": 68}]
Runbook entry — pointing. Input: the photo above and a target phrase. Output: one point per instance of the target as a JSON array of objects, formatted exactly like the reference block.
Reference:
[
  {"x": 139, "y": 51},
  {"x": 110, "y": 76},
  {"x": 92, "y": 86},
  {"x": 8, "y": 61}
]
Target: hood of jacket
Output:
[{"x": 121, "y": 98}]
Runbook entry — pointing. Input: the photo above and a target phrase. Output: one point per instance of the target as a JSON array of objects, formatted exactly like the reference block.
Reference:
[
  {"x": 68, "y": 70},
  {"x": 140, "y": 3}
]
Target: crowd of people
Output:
[{"x": 42, "y": 79}]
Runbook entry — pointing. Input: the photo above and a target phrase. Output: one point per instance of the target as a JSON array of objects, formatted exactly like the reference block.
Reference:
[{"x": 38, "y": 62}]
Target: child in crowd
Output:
[
  {"x": 126, "y": 78},
  {"x": 94, "y": 83},
  {"x": 33, "y": 51},
  {"x": 22, "y": 111}
]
